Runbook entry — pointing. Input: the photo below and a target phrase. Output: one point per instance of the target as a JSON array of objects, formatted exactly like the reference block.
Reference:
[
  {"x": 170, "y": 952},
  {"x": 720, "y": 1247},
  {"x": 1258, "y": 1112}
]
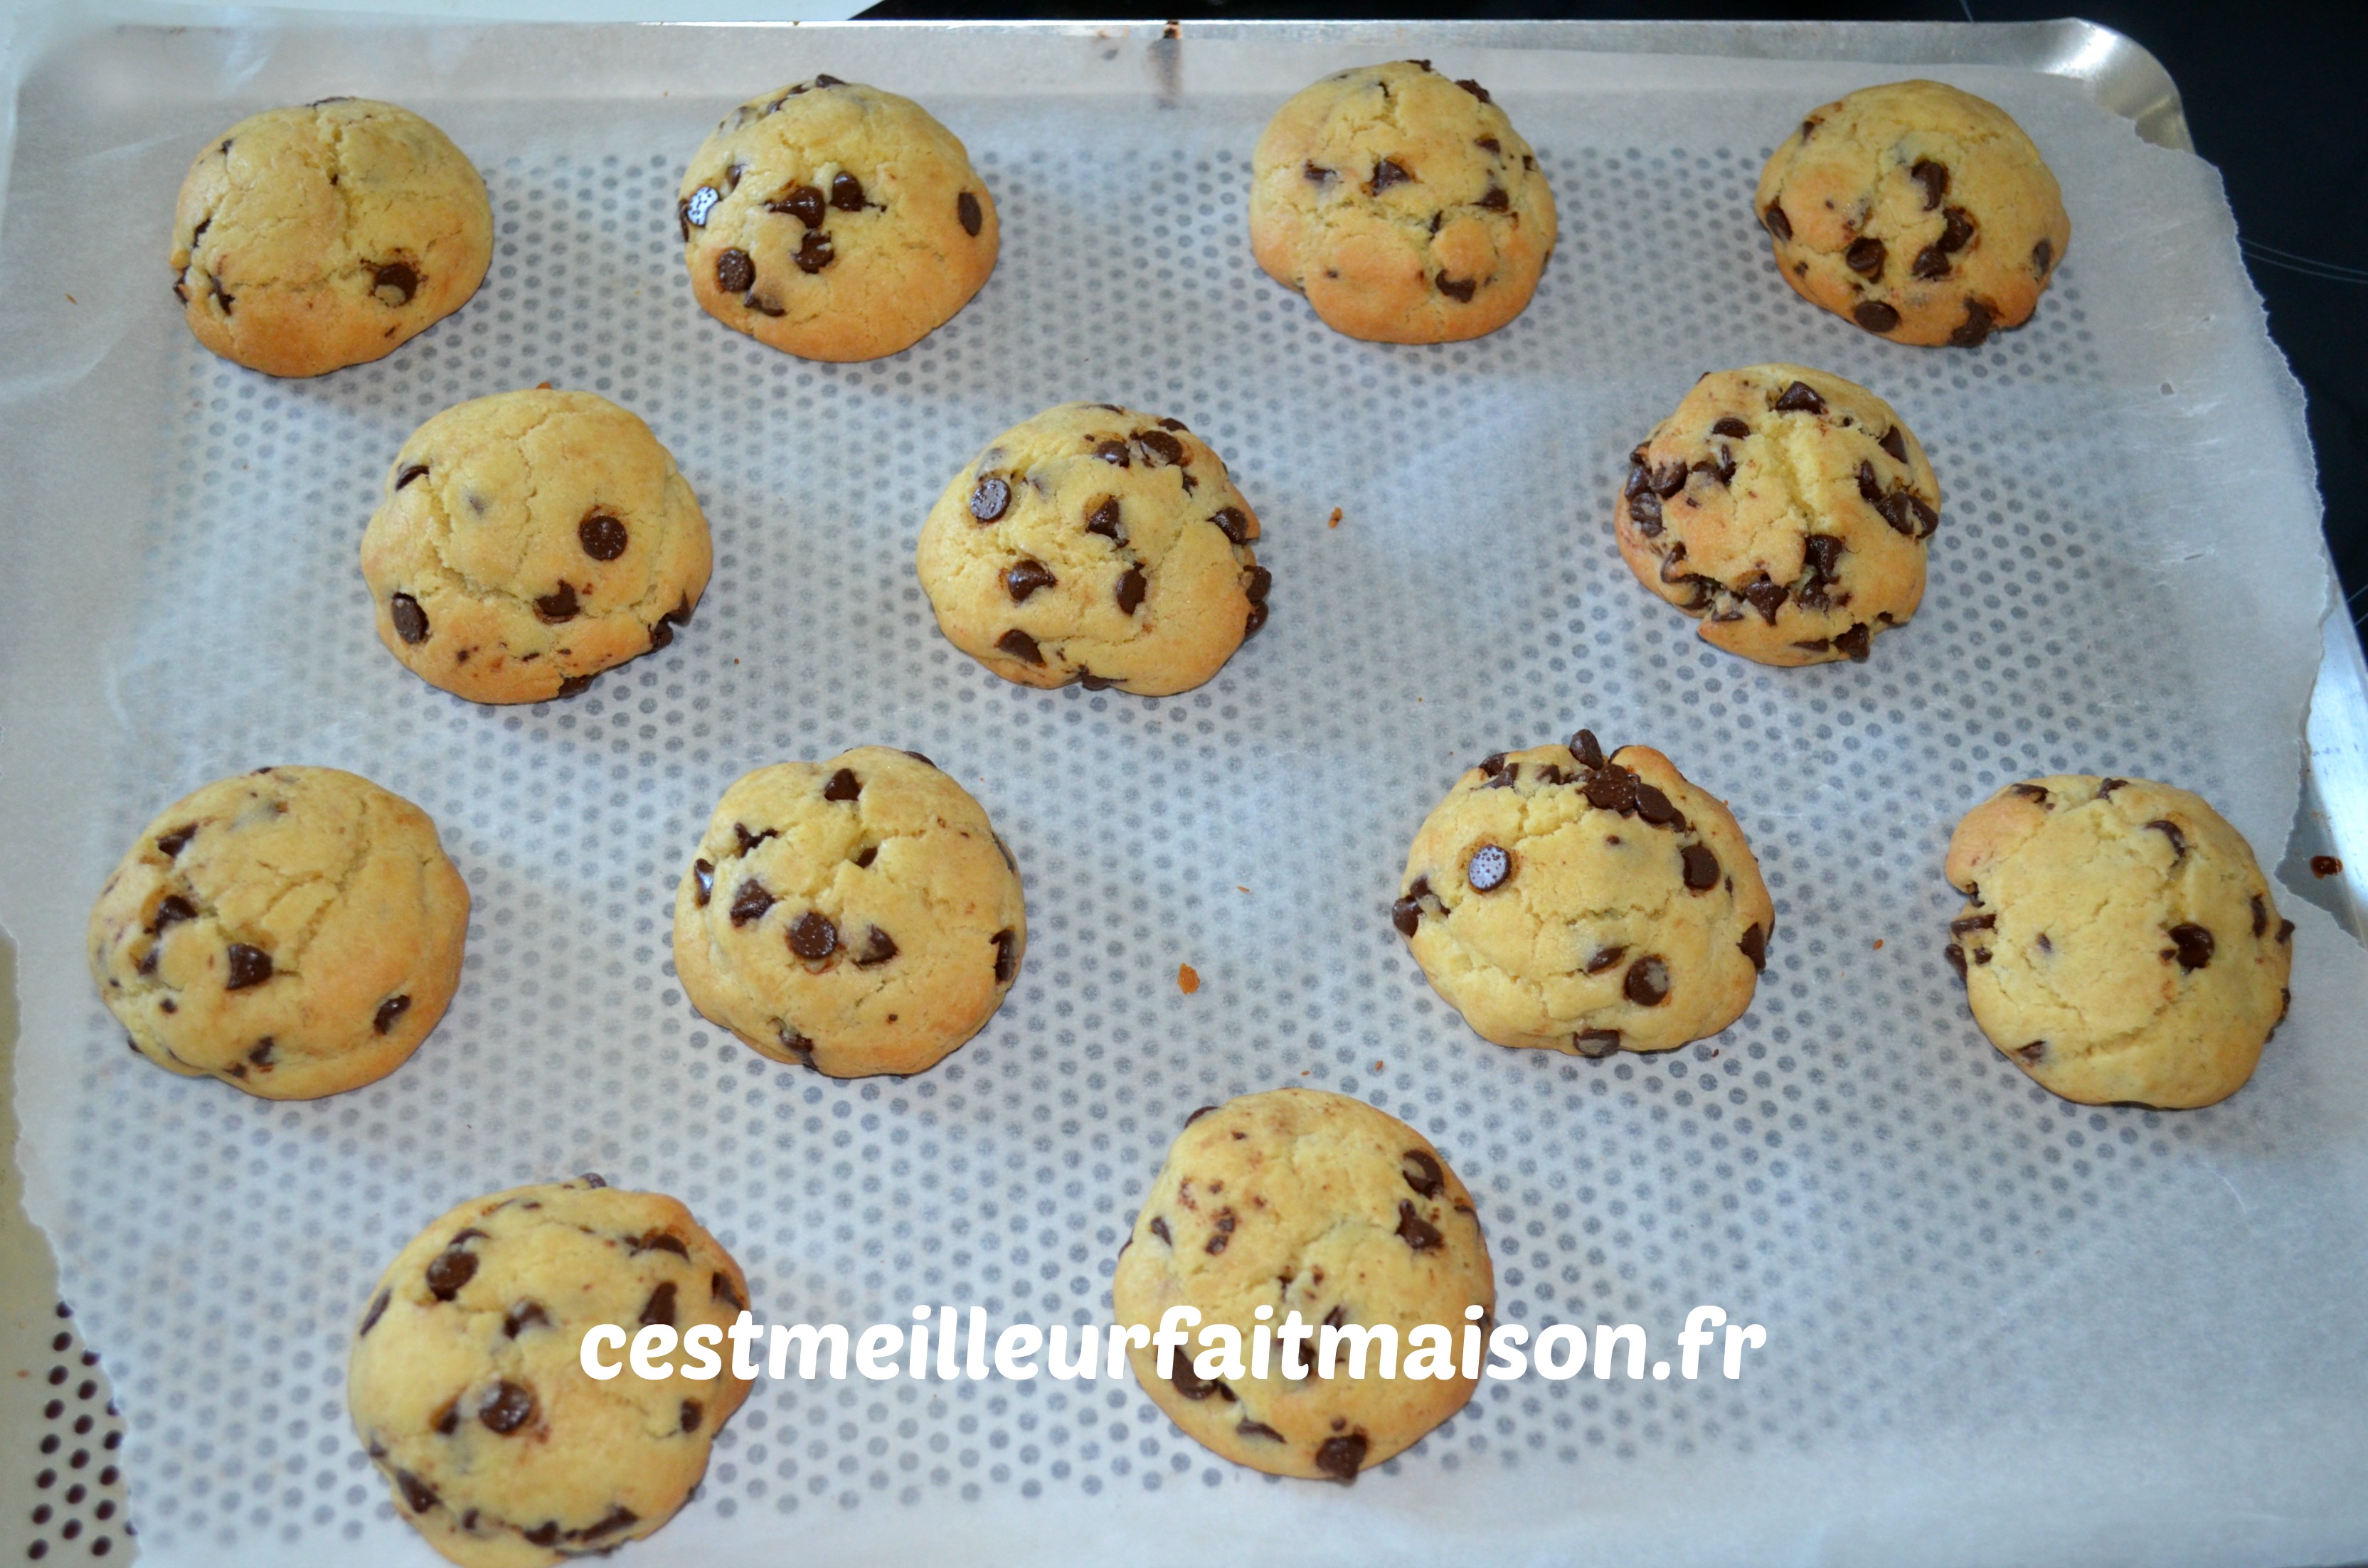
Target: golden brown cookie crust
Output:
[
  {"x": 1919, "y": 212},
  {"x": 1403, "y": 204},
  {"x": 1789, "y": 510},
  {"x": 1299, "y": 1201},
  {"x": 327, "y": 234},
  {"x": 833, "y": 220},
  {"x": 2118, "y": 943}
]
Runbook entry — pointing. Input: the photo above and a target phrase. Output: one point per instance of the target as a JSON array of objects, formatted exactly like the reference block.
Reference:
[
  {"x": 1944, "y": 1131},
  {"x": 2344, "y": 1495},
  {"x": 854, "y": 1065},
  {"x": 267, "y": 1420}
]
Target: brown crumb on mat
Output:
[
  {"x": 1187, "y": 979},
  {"x": 1335, "y": 519},
  {"x": 2325, "y": 866}
]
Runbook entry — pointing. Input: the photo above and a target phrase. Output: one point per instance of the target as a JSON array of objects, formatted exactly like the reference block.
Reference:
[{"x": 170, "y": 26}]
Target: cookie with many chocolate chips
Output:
[
  {"x": 856, "y": 916},
  {"x": 1098, "y": 544},
  {"x": 2118, "y": 942},
  {"x": 1920, "y": 213},
  {"x": 833, "y": 220},
  {"x": 1402, "y": 203},
  {"x": 1572, "y": 901},
  {"x": 327, "y": 234},
  {"x": 529, "y": 540},
  {"x": 294, "y": 932},
  {"x": 466, "y": 1387},
  {"x": 1787, "y": 510},
  {"x": 1285, "y": 1219}
]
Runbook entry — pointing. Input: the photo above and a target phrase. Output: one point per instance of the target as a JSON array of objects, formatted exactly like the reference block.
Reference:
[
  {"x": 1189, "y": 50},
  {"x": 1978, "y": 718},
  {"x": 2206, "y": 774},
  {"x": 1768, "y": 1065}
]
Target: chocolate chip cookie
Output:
[
  {"x": 1920, "y": 213},
  {"x": 833, "y": 220},
  {"x": 328, "y": 234},
  {"x": 1301, "y": 1210},
  {"x": 466, "y": 1388},
  {"x": 2118, "y": 942},
  {"x": 1568, "y": 900},
  {"x": 1098, "y": 544},
  {"x": 1787, "y": 510},
  {"x": 1403, "y": 204},
  {"x": 529, "y": 540},
  {"x": 856, "y": 916},
  {"x": 294, "y": 932}
]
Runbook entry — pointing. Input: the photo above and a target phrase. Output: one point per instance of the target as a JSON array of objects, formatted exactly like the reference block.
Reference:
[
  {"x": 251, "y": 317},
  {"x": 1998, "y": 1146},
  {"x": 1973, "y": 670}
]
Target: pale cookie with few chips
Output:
[
  {"x": 2118, "y": 943},
  {"x": 1305, "y": 1210},
  {"x": 1567, "y": 901}
]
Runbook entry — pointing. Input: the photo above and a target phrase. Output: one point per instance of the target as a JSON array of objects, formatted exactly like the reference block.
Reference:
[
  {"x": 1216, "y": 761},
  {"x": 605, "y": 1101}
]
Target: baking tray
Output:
[{"x": 2332, "y": 818}]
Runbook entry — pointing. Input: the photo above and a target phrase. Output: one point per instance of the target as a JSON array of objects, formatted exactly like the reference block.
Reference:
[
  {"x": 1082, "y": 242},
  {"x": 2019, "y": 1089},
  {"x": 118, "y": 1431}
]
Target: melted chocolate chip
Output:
[
  {"x": 247, "y": 967},
  {"x": 1957, "y": 231},
  {"x": 988, "y": 500},
  {"x": 557, "y": 606},
  {"x": 1656, "y": 809},
  {"x": 2260, "y": 915},
  {"x": 408, "y": 472},
  {"x": 1965, "y": 923},
  {"x": 377, "y": 1311},
  {"x": 522, "y": 1316},
  {"x": 602, "y": 537},
  {"x": 2043, "y": 256},
  {"x": 1730, "y": 425},
  {"x": 735, "y": 272},
  {"x": 619, "y": 1515},
  {"x": 1491, "y": 144},
  {"x": 1605, "y": 960},
  {"x": 510, "y": 1407},
  {"x": 1489, "y": 868},
  {"x": 2285, "y": 931},
  {"x": 1416, "y": 1232},
  {"x": 1104, "y": 521},
  {"x": 1422, "y": 1172},
  {"x": 966, "y": 208},
  {"x": 2033, "y": 1051},
  {"x": 398, "y": 279},
  {"x": 846, "y": 192},
  {"x": 800, "y": 1048},
  {"x": 1020, "y": 645},
  {"x": 1647, "y": 981},
  {"x": 1587, "y": 749},
  {"x": 1865, "y": 257},
  {"x": 1256, "y": 584},
  {"x": 1406, "y": 912},
  {"x": 877, "y": 948},
  {"x": 719, "y": 1286},
  {"x": 1597, "y": 1043},
  {"x": 1160, "y": 1229},
  {"x": 1131, "y": 588},
  {"x": 1249, "y": 1428},
  {"x": 1112, "y": 452},
  {"x": 1875, "y": 315},
  {"x": 1956, "y": 957},
  {"x": 1645, "y": 512},
  {"x": 661, "y": 1240},
  {"x": 1854, "y": 642},
  {"x": 1386, "y": 173},
  {"x": 1933, "y": 178},
  {"x": 1778, "y": 224},
  {"x": 1893, "y": 443},
  {"x": 2193, "y": 945},
  {"x": 2178, "y": 840},
  {"x": 1193, "y": 1386},
  {"x": 1475, "y": 88},
  {"x": 1799, "y": 397},
  {"x": 815, "y": 252},
  {"x": 1701, "y": 868},
  {"x": 410, "y": 621},
  {"x": 1314, "y": 174},
  {"x": 812, "y": 938},
  {"x": 451, "y": 1270},
  {"x": 1222, "y": 1235},
  {"x": 744, "y": 841},
  {"x": 1341, "y": 1458},
  {"x": 1234, "y": 524},
  {"x": 1198, "y": 1113},
  {"x": 1494, "y": 200},
  {"x": 1006, "y": 956},
  {"x": 1765, "y": 596},
  {"x": 1755, "y": 946},
  {"x": 416, "y": 1492},
  {"x": 750, "y": 903},
  {"x": 842, "y": 785},
  {"x": 393, "y": 1009},
  {"x": 1159, "y": 444},
  {"x": 659, "y": 1308},
  {"x": 1458, "y": 289},
  {"x": 1975, "y": 330},
  {"x": 171, "y": 910}
]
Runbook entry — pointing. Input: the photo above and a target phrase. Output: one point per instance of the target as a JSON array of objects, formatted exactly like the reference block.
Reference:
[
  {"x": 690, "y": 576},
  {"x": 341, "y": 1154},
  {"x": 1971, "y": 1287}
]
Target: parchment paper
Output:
[{"x": 2002, "y": 1329}]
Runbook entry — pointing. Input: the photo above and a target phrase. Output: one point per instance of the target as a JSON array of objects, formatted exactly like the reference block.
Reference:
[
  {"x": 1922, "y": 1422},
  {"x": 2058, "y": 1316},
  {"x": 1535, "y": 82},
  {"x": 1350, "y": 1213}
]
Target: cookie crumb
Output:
[
  {"x": 1878, "y": 944},
  {"x": 542, "y": 386},
  {"x": 72, "y": 301},
  {"x": 2325, "y": 866},
  {"x": 1377, "y": 1065},
  {"x": 1335, "y": 519},
  {"x": 1187, "y": 979},
  {"x": 1238, "y": 887}
]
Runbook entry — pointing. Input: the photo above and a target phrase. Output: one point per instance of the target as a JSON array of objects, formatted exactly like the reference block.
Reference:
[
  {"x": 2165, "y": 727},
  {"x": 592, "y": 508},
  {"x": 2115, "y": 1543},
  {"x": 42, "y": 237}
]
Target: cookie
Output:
[
  {"x": 1095, "y": 543},
  {"x": 294, "y": 932},
  {"x": 1920, "y": 213},
  {"x": 833, "y": 220},
  {"x": 1404, "y": 205},
  {"x": 529, "y": 540},
  {"x": 328, "y": 234},
  {"x": 856, "y": 916},
  {"x": 1787, "y": 510},
  {"x": 465, "y": 1386},
  {"x": 1562, "y": 900},
  {"x": 1300, "y": 1203},
  {"x": 2118, "y": 942}
]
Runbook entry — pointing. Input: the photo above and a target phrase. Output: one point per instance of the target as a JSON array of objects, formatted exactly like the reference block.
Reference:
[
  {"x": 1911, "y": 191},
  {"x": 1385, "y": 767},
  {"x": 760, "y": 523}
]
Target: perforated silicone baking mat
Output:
[{"x": 2001, "y": 1328}]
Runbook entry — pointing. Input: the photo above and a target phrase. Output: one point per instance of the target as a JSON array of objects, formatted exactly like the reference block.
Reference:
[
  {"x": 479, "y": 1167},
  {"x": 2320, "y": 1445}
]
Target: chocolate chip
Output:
[
  {"x": 1956, "y": 957},
  {"x": 522, "y": 1316},
  {"x": 1731, "y": 425},
  {"x": 800, "y": 1048},
  {"x": 2285, "y": 931},
  {"x": 377, "y": 1311},
  {"x": 1314, "y": 174},
  {"x": 416, "y": 1492},
  {"x": 1416, "y": 1232},
  {"x": 1222, "y": 1236},
  {"x": 1824, "y": 553},
  {"x": 1249, "y": 1428},
  {"x": 865, "y": 855},
  {"x": 1755, "y": 946},
  {"x": 1494, "y": 200},
  {"x": 1965, "y": 923},
  {"x": 408, "y": 472},
  {"x": 877, "y": 948},
  {"x": 1721, "y": 468},
  {"x": 1668, "y": 479},
  {"x": 1258, "y": 584},
  {"x": 1406, "y": 912},
  {"x": 1006, "y": 956},
  {"x": 2178, "y": 840},
  {"x": 990, "y": 497},
  {"x": 410, "y": 621},
  {"x": 1865, "y": 257},
  {"x": 1197, "y": 1114},
  {"x": 1587, "y": 749},
  {"x": 1385, "y": 174},
  {"x": 735, "y": 272},
  {"x": 846, "y": 192},
  {"x": 1957, "y": 231},
  {"x": 1490, "y": 142},
  {"x": 1765, "y": 596},
  {"x": 1893, "y": 443},
  {"x": 398, "y": 277},
  {"x": 1475, "y": 88},
  {"x": 1701, "y": 868},
  {"x": 1605, "y": 960},
  {"x": 1489, "y": 868},
  {"x": 557, "y": 606},
  {"x": 1854, "y": 642},
  {"x": 1341, "y": 1458},
  {"x": 2031, "y": 1052},
  {"x": 602, "y": 537},
  {"x": 719, "y": 1287},
  {"x": 248, "y": 967},
  {"x": 509, "y": 1407},
  {"x": 2043, "y": 256},
  {"x": 619, "y": 1515},
  {"x": 744, "y": 841},
  {"x": 1192, "y": 1385},
  {"x": 1160, "y": 445},
  {"x": 966, "y": 208},
  {"x": 1930, "y": 262},
  {"x": 171, "y": 910},
  {"x": 1975, "y": 330},
  {"x": 815, "y": 251},
  {"x": 812, "y": 938},
  {"x": 1799, "y": 397},
  {"x": 1778, "y": 224},
  {"x": 1459, "y": 289},
  {"x": 1160, "y": 1229},
  {"x": 1234, "y": 524},
  {"x": 1612, "y": 789},
  {"x": 1131, "y": 588},
  {"x": 1112, "y": 452},
  {"x": 1656, "y": 809},
  {"x": 659, "y": 1308},
  {"x": 2193, "y": 945},
  {"x": 803, "y": 202},
  {"x": 1422, "y": 1172},
  {"x": 662, "y": 1241},
  {"x": 1875, "y": 315},
  {"x": 2260, "y": 915},
  {"x": 1645, "y": 512},
  {"x": 1493, "y": 764},
  {"x": 1934, "y": 177},
  {"x": 1647, "y": 981},
  {"x": 1020, "y": 646},
  {"x": 451, "y": 1270},
  {"x": 1596, "y": 1043},
  {"x": 750, "y": 903},
  {"x": 390, "y": 1010}
]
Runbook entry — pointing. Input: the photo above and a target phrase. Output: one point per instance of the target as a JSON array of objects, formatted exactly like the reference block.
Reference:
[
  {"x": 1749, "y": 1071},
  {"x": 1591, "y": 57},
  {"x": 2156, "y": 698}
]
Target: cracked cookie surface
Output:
[
  {"x": 2118, "y": 943},
  {"x": 327, "y": 234},
  {"x": 1095, "y": 543},
  {"x": 1305, "y": 1202},
  {"x": 1403, "y": 204},
  {"x": 465, "y": 1387},
  {"x": 294, "y": 932},
  {"x": 1789, "y": 510},
  {"x": 1920, "y": 213},
  {"x": 529, "y": 540},
  {"x": 857, "y": 916},
  {"x": 833, "y": 220},
  {"x": 1563, "y": 900}
]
